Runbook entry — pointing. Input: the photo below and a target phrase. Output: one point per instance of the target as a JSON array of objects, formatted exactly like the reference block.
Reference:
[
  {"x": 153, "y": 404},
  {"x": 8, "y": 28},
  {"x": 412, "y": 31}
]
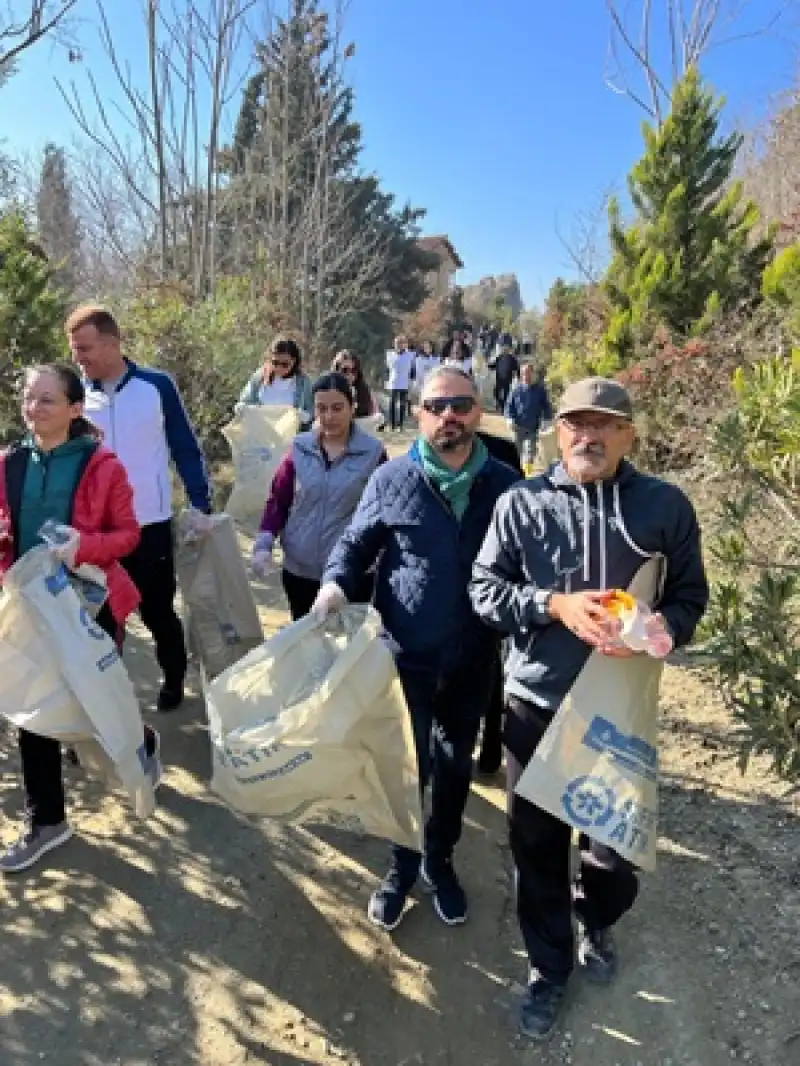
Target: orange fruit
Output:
[{"x": 620, "y": 602}]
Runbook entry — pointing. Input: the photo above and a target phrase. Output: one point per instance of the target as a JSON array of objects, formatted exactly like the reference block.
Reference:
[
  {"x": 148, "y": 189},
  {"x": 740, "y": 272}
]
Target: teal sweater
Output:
[{"x": 49, "y": 488}]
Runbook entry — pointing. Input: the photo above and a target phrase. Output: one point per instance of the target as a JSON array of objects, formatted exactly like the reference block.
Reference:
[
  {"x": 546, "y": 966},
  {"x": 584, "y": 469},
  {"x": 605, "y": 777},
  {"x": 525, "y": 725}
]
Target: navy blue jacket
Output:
[
  {"x": 528, "y": 406},
  {"x": 425, "y": 558}
]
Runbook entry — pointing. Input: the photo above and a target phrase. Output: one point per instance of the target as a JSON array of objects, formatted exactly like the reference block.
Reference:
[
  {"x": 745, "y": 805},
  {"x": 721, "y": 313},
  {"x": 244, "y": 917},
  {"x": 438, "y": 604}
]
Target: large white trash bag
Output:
[
  {"x": 221, "y": 617},
  {"x": 313, "y": 726},
  {"x": 371, "y": 424},
  {"x": 62, "y": 676},
  {"x": 596, "y": 767},
  {"x": 259, "y": 436}
]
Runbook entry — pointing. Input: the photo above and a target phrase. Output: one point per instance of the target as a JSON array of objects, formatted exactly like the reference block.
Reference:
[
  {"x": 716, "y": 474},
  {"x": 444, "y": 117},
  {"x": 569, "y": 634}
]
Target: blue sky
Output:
[{"x": 492, "y": 114}]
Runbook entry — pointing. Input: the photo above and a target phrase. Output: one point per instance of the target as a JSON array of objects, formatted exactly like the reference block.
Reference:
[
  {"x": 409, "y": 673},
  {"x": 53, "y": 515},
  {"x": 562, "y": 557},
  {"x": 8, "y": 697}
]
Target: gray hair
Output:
[{"x": 447, "y": 370}]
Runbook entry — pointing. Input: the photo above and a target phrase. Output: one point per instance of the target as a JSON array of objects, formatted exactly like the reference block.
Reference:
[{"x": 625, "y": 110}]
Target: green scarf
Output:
[{"x": 454, "y": 485}]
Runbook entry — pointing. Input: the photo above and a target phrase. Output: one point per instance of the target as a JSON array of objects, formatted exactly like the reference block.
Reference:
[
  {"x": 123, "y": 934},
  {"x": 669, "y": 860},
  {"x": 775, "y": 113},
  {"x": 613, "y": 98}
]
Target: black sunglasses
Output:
[{"x": 459, "y": 405}]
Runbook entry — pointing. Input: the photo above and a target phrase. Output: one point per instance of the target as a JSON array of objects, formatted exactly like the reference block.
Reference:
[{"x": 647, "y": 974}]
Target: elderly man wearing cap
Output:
[{"x": 556, "y": 544}]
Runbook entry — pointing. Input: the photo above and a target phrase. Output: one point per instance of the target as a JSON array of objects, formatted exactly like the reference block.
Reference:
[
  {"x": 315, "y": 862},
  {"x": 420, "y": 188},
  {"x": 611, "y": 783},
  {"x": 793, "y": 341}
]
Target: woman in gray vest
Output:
[{"x": 314, "y": 493}]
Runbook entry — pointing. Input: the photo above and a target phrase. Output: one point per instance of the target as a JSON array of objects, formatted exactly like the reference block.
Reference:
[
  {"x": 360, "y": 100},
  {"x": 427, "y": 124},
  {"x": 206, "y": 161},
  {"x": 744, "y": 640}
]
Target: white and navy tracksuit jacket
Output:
[{"x": 145, "y": 423}]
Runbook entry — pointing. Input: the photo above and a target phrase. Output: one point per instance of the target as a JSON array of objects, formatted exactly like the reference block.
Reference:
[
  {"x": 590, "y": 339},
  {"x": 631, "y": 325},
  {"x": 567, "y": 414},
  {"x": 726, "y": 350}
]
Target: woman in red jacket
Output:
[{"x": 60, "y": 471}]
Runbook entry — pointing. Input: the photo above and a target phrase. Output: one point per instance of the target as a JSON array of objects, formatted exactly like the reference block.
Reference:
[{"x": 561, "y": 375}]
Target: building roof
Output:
[{"x": 439, "y": 244}]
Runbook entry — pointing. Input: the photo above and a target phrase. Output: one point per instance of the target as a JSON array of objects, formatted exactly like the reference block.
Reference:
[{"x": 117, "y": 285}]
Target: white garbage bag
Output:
[
  {"x": 596, "y": 767},
  {"x": 548, "y": 445},
  {"x": 220, "y": 613},
  {"x": 63, "y": 676},
  {"x": 259, "y": 436},
  {"x": 313, "y": 726},
  {"x": 371, "y": 423}
]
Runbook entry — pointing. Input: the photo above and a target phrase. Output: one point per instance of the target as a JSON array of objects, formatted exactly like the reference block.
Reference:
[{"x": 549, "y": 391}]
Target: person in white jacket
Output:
[
  {"x": 427, "y": 360},
  {"x": 399, "y": 361}
]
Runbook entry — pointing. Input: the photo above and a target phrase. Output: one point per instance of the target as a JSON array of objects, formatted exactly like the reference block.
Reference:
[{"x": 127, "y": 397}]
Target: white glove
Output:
[
  {"x": 262, "y": 562},
  {"x": 196, "y": 524},
  {"x": 330, "y": 598},
  {"x": 67, "y": 551}
]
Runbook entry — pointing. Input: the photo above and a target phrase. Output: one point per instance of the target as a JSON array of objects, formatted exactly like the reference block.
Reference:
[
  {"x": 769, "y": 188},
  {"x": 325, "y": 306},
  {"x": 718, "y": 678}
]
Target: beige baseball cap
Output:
[{"x": 596, "y": 394}]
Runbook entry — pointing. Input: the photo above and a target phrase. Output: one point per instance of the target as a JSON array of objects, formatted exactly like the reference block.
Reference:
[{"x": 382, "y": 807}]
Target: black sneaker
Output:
[
  {"x": 449, "y": 898},
  {"x": 488, "y": 766},
  {"x": 387, "y": 904},
  {"x": 597, "y": 955},
  {"x": 540, "y": 1008},
  {"x": 169, "y": 698}
]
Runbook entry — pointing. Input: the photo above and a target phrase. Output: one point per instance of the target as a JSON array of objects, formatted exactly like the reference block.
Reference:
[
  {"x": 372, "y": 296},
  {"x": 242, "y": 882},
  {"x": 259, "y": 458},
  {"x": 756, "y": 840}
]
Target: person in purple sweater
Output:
[{"x": 314, "y": 493}]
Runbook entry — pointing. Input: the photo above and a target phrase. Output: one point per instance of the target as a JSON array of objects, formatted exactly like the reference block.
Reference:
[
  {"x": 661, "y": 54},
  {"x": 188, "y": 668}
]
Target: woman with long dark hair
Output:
[
  {"x": 314, "y": 493},
  {"x": 61, "y": 472},
  {"x": 281, "y": 381},
  {"x": 456, "y": 352},
  {"x": 349, "y": 366}
]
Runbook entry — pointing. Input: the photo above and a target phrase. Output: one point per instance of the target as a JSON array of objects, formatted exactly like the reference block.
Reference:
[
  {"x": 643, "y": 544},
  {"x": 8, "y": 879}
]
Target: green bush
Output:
[
  {"x": 752, "y": 628},
  {"x": 210, "y": 347},
  {"x": 31, "y": 314}
]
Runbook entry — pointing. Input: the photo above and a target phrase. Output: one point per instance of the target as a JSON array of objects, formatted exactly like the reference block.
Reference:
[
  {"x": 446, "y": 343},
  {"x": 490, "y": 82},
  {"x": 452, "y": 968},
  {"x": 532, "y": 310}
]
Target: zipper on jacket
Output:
[
  {"x": 601, "y": 517},
  {"x": 113, "y": 420}
]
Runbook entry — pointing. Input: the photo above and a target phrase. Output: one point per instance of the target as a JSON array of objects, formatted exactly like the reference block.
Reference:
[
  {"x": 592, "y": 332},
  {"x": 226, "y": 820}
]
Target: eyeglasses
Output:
[
  {"x": 347, "y": 370},
  {"x": 459, "y": 405},
  {"x": 593, "y": 424},
  {"x": 284, "y": 364}
]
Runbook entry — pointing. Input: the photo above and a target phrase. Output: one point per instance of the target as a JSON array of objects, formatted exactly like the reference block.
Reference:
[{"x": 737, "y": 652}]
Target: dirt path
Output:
[{"x": 202, "y": 938}]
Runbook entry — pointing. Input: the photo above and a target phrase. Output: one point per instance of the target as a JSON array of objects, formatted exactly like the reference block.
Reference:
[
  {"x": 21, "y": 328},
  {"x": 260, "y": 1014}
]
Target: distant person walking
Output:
[
  {"x": 400, "y": 362},
  {"x": 506, "y": 368},
  {"x": 349, "y": 366},
  {"x": 527, "y": 407},
  {"x": 458, "y": 353}
]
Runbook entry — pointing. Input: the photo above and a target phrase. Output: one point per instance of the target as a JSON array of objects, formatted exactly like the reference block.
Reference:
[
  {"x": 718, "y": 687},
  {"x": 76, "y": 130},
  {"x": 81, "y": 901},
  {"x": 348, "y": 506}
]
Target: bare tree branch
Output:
[
  {"x": 692, "y": 29},
  {"x": 43, "y": 17}
]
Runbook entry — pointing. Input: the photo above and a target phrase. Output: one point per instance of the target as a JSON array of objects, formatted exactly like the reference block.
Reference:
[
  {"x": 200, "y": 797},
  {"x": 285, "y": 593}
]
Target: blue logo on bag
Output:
[
  {"x": 632, "y": 752},
  {"x": 92, "y": 628},
  {"x": 588, "y": 801},
  {"x": 57, "y": 582}
]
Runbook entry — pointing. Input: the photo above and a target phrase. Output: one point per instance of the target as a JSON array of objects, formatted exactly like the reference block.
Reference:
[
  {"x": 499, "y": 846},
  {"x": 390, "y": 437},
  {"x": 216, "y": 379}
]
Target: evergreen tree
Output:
[
  {"x": 345, "y": 257},
  {"x": 691, "y": 250},
  {"x": 31, "y": 313},
  {"x": 59, "y": 228}
]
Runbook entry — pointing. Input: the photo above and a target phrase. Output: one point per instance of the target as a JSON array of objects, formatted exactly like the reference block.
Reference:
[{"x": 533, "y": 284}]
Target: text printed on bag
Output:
[
  {"x": 590, "y": 803},
  {"x": 58, "y": 583}
]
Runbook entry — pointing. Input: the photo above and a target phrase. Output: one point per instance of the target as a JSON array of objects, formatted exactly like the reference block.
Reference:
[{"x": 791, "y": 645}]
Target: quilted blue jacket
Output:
[{"x": 425, "y": 559}]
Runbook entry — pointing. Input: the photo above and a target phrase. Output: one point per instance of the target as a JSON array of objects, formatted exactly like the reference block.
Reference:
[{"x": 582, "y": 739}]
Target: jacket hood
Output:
[
  {"x": 599, "y": 493},
  {"x": 69, "y": 447}
]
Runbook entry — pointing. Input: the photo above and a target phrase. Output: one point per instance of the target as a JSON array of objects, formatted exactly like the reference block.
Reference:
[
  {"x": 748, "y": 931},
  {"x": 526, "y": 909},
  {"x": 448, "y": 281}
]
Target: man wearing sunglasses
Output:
[
  {"x": 422, "y": 518},
  {"x": 556, "y": 544}
]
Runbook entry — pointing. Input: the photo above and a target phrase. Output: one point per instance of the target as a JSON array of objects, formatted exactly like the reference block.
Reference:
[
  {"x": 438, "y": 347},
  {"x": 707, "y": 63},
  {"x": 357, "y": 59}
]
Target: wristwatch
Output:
[{"x": 541, "y": 601}]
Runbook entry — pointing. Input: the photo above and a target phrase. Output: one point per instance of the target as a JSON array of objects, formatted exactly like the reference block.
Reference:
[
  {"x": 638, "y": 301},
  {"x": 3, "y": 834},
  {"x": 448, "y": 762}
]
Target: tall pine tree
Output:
[
  {"x": 59, "y": 228},
  {"x": 691, "y": 250},
  {"x": 31, "y": 313},
  {"x": 296, "y": 203}
]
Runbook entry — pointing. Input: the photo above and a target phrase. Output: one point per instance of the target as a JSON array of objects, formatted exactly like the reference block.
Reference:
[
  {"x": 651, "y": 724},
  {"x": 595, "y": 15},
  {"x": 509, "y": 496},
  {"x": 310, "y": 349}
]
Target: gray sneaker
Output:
[{"x": 34, "y": 842}]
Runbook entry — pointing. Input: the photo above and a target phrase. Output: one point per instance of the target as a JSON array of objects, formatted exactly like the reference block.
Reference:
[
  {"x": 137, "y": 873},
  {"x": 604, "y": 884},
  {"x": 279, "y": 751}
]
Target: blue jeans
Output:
[{"x": 446, "y": 714}]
